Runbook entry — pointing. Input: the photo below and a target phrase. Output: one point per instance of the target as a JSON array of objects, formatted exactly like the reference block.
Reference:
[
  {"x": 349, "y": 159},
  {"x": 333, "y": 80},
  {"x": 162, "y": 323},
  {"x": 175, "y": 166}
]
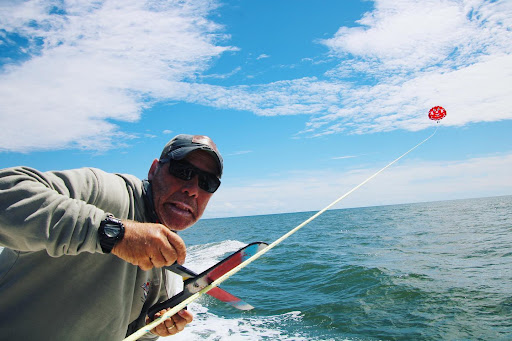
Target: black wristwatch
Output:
[{"x": 110, "y": 232}]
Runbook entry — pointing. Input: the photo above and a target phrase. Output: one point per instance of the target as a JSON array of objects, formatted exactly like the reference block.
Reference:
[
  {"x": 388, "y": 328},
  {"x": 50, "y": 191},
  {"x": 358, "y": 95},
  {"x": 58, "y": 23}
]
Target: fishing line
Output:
[{"x": 242, "y": 265}]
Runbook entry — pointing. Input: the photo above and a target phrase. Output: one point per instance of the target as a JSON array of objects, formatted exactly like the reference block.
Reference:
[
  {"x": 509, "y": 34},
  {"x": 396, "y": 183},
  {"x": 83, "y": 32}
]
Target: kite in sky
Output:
[{"x": 437, "y": 113}]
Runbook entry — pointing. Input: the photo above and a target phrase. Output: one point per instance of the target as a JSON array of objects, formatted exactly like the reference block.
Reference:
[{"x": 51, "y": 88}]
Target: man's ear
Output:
[{"x": 153, "y": 169}]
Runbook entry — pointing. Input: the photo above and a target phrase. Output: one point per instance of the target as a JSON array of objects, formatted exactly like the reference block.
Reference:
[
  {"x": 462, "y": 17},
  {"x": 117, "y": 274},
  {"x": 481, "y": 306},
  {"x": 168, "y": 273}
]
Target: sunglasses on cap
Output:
[{"x": 186, "y": 171}]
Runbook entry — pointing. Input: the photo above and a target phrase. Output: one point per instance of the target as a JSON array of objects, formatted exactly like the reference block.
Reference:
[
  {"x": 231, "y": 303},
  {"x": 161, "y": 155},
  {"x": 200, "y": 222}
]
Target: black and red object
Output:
[{"x": 197, "y": 282}]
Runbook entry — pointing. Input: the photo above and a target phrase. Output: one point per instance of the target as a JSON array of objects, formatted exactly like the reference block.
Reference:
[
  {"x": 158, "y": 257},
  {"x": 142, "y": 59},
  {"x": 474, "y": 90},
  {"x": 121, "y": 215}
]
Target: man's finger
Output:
[
  {"x": 169, "y": 254},
  {"x": 178, "y": 245},
  {"x": 145, "y": 264},
  {"x": 157, "y": 260}
]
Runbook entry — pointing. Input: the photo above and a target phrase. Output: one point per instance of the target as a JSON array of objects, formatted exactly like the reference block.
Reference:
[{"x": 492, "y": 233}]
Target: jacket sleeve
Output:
[{"x": 59, "y": 212}]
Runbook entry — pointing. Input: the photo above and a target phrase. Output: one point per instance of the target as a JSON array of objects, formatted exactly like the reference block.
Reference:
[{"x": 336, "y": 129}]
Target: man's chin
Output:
[
  {"x": 178, "y": 223},
  {"x": 177, "y": 219}
]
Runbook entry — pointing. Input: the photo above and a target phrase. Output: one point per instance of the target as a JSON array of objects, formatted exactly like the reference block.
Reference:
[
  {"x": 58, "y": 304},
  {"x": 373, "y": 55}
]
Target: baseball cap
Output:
[{"x": 181, "y": 145}]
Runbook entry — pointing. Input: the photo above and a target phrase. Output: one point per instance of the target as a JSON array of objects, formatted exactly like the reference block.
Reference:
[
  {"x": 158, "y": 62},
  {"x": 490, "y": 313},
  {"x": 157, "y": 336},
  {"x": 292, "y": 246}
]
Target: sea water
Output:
[{"x": 426, "y": 271}]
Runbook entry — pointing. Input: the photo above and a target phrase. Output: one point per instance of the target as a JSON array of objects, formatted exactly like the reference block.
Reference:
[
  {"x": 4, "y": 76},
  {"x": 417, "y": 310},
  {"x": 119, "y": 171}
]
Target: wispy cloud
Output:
[
  {"x": 241, "y": 152},
  {"x": 93, "y": 63},
  {"x": 223, "y": 75},
  {"x": 343, "y": 157},
  {"x": 263, "y": 56}
]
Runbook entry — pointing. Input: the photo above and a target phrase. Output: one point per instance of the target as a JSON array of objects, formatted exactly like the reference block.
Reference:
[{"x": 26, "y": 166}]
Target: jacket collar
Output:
[{"x": 147, "y": 193}]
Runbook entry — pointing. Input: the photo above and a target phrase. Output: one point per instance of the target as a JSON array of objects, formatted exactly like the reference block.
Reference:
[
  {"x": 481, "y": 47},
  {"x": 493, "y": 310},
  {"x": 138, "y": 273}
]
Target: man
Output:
[{"x": 83, "y": 249}]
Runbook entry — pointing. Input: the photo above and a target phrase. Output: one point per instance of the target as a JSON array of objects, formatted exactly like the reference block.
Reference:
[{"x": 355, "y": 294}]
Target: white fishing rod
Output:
[{"x": 242, "y": 265}]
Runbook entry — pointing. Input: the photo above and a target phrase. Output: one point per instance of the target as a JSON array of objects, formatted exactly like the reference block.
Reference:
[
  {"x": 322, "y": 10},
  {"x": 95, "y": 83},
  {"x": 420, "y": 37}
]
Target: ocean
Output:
[{"x": 425, "y": 271}]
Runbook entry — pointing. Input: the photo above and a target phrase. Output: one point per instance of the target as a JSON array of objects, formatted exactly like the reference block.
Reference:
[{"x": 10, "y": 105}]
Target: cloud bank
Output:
[{"x": 405, "y": 182}]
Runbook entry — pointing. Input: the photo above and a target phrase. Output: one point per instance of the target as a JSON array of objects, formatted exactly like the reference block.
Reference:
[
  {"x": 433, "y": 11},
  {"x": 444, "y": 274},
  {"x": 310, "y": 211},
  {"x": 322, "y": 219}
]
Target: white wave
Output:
[
  {"x": 201, "y": 257},
  {"x": 208, "y": 326}
]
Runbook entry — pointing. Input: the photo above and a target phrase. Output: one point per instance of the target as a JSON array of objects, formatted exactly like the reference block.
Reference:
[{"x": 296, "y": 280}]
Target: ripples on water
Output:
[{"x": 429, "y": 271}]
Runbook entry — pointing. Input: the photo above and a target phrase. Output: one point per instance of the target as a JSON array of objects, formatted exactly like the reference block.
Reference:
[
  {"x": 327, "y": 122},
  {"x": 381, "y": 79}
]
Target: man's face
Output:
[{"x": 180, "y": 203}]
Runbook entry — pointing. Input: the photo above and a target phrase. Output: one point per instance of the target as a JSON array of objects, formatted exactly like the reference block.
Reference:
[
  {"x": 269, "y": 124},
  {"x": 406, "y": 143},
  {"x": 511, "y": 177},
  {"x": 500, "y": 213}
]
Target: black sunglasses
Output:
[{"x": 186, "y": 171}]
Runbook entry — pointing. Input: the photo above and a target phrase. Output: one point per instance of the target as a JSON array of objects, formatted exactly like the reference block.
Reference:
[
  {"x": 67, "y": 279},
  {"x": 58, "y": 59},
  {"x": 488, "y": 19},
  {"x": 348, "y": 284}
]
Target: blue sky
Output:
[{"x": 305, "y": 98}]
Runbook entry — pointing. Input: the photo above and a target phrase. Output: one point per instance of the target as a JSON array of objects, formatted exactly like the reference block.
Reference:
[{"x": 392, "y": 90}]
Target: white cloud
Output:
[
  {"x": 476, "y": 93},
  {"x": 413, "y": 54},
  {"x": 224, "y": 75},
  {"x": 420, "y": 54},
  {"x": 412, "y": 35},
  {"x": 99, "y": 62},
  {"x": 241, "y": 152},
  {"x": 343, "y": 157},
  {"x": 95, "y": 63},
  {"x": 262, "y": 56},
  {"x": 404, "y": 182}
]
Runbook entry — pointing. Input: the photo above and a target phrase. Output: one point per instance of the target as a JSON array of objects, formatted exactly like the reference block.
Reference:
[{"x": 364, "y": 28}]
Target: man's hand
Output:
[
  {"x": 149, "y": 245},
  {"x": 173, "y": 324}
]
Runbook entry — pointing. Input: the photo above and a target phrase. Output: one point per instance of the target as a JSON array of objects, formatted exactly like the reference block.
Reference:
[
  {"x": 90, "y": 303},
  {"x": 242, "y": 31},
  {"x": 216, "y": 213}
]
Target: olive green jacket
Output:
[{"x": 55, "y": 281}]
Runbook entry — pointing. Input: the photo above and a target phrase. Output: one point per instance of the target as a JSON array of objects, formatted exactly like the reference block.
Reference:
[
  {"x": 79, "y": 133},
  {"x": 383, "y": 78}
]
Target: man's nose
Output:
[{"x": 191, "y": 187}]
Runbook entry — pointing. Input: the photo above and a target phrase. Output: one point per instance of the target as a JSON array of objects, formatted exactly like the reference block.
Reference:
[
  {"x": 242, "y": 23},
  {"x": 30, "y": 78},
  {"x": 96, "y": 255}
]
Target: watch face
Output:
[{"x": 112, "y": 231}]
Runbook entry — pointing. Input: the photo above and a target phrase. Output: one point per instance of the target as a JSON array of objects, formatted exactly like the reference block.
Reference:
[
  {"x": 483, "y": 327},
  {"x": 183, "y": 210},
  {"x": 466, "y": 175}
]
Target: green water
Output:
[{"x": 429, "y": 271}]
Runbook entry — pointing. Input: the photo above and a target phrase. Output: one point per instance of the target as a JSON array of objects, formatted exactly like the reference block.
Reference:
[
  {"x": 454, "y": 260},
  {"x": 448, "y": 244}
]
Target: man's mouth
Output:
[{"x": 180, "y": 208}]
